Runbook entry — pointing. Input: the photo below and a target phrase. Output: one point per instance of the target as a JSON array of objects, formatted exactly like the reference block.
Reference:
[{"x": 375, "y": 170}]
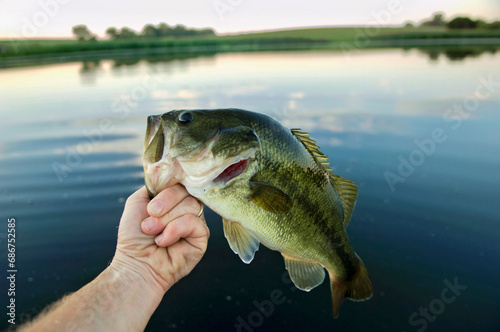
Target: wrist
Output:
[
  {"x": 139, "y": 275},
  {"x": 122, "y": 284}
]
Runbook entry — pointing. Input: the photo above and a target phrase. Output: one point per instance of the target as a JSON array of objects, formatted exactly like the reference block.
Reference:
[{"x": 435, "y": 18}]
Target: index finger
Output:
[{"x": 166, "y": 200}]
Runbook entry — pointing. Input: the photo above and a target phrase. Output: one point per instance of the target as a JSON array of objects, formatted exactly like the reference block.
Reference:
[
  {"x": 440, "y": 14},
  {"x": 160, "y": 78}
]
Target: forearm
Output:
[{"x": 114, "y": 301}]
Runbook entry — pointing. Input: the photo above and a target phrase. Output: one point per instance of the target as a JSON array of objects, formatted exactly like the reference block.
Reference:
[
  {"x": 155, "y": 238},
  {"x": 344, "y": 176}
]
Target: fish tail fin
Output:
[{"x": 357, "y": 288}]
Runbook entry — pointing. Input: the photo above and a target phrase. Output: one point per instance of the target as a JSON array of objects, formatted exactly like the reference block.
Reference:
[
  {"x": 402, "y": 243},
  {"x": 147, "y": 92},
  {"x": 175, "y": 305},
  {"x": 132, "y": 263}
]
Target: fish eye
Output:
[{"x": 185, "y": 118}]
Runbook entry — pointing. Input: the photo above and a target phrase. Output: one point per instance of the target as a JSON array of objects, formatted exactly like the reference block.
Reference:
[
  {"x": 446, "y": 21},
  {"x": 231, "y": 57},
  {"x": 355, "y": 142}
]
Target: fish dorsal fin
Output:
[
  {"x": 348, "y": 192},
  {"x": 241, "y": 241},
  {"x": 269, "y": 197},
  {"x": 305, "y": 275},
  {"x": 311, "y": 146}
]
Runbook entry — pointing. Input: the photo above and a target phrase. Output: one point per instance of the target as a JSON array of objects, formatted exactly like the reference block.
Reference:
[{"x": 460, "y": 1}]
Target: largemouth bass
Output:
[{"x": 270, "y": 184}]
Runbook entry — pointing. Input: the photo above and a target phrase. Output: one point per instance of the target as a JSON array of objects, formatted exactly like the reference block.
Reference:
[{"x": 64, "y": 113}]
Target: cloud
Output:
[
  {"x": 179, "y": 94},
  {"x": 297, "y": 95}
]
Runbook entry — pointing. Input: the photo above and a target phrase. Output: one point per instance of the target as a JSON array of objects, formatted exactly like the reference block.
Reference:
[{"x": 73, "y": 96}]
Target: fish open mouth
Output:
[{"x": 232, "y": 171}]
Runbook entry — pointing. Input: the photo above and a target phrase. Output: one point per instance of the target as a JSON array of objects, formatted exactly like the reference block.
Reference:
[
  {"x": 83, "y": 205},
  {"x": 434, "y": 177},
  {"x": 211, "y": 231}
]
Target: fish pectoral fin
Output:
[
  {"x": 269, "y": 197},
  {"x": 241, "y": 241},
  {"x": 348, "y": 192},
  {"x": 305, "y": 275}
]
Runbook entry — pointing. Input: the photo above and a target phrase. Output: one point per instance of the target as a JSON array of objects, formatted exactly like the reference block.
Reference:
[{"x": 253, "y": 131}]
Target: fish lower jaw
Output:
[
  {"x": 166, "y": 173},
  {"x": 199, "y": 185},
  {"x": 161, "y": 175}
]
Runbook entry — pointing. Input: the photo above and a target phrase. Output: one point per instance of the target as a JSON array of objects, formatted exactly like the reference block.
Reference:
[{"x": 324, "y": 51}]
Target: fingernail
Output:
[
  {"x": 148, "y": 224},
  {"x": 156, "y": 207},
  {"x": 158, "y": 239}
]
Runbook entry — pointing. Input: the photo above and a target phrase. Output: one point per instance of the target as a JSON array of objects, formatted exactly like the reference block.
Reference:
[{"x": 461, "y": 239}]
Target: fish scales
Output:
[{"x": 295, "y": 165}]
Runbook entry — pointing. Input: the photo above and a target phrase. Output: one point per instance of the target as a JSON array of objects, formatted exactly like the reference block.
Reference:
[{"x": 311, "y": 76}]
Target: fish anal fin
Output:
[
  {"x": 305, "y": 275},
  {"x": 269, "y": 197},
  {"x": 241, "y": 241},
  {"x": 356, "y": 288},
  {"x": 348, "y": 191}
]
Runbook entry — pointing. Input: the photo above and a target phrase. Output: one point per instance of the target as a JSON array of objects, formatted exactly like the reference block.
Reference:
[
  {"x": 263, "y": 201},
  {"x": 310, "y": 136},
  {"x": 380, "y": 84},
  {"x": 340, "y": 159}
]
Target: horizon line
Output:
[{"x": 241, "y": 31}]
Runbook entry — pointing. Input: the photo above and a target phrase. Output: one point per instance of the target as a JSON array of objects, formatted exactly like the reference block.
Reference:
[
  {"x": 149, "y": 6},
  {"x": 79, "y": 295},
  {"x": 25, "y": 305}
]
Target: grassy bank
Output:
[
  {"x": 349, "y": 34},
  {"x": 311, "y": 38}
]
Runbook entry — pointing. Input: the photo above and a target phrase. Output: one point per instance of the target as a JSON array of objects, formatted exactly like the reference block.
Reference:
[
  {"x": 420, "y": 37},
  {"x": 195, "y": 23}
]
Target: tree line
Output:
[
  {"x": 150, "y": 31},
  {"x": 460, "y": 22}
]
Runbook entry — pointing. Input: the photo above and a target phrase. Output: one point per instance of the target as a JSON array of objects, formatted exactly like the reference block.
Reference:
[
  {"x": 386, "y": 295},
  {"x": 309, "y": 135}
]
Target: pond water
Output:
[{"x": 417, "y": 133}]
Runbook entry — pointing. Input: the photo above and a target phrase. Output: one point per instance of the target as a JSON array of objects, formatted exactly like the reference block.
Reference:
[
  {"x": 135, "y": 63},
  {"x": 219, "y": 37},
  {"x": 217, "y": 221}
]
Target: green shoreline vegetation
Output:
[{"x": 434, "y": 34}]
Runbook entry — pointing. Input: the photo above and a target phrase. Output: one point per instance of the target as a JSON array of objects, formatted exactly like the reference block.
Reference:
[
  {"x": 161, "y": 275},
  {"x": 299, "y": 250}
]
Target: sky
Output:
[{"x": 55, "y": 18}]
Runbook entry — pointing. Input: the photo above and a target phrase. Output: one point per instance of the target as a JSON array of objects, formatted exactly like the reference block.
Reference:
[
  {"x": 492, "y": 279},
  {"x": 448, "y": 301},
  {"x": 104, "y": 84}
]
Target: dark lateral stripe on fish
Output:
[{"x": 321, "y": 217}]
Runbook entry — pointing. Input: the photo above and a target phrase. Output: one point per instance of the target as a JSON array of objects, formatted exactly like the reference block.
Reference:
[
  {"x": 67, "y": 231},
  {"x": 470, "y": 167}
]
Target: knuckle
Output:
[
  {"x": 175, "y": 194},
  {"x": 179, "y": 191},
  {"x": 167, "y": 192},
  {"x": 190, "y": 219},
  {"x": 190, "y": 200},
  {"x": 129, "y": 202}
]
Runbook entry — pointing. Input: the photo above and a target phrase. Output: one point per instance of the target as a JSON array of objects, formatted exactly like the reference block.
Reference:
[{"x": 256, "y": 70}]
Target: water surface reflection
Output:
[{"x": 87, "y": 121}]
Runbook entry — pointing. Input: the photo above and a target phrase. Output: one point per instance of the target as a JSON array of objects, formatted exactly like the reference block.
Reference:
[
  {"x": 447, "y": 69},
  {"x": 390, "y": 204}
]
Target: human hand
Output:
[
  {"x": 162, "y": 238},
  {"x": 142, "y": 269}
]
